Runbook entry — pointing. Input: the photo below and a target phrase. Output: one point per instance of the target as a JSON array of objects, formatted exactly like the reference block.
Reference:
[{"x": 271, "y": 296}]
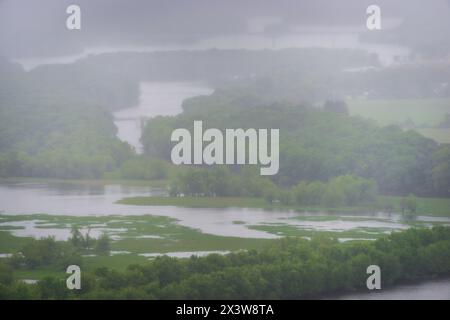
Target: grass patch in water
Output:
[
  {"x": 295, "y": 231},
  {"x": 10, "y": 243},
  {"x": 197, "y": 202},
  {"x": 425, "y": 206}
]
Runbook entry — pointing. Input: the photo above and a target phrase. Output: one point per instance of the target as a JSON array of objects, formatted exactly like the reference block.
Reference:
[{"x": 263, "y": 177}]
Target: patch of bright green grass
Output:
[
  {"x": 137, "y": 234},
  {"x": 118, "y": 262},
  {"x": 422, "y": 112},
  {"x": 293, "y": 231},
  {"x": 10, "y": 243},
  {"x": 437, "y": 134},
  {"x": 40, "y": 273}
]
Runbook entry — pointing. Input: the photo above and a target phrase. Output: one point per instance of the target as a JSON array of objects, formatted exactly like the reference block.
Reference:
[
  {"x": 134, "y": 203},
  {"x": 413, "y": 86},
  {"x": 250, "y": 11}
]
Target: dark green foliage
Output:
[
  {"x": 336, "y": 106},
  {"x": 46, "y": 252},
  {"x": 103, "y": 245},
  {"x": 290, "y": 268},
  {"x": 317, "y": 145},
  {"x": 441, "y": 170},
  {"x": 409, "y": 204},
  {"x": 222, "y": 182},
  {"x": 65, "y": 130}
]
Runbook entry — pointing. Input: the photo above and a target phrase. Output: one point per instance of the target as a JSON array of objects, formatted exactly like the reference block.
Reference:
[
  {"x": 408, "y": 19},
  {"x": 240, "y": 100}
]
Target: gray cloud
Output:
[{"x": 29, "y": 28}]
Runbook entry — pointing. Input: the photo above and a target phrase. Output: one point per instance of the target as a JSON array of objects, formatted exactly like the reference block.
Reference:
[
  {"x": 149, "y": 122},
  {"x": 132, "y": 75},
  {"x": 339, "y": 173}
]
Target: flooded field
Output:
[{"x": 61, "y": 199}]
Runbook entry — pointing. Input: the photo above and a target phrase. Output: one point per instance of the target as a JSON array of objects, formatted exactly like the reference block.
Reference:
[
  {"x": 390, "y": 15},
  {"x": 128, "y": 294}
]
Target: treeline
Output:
[
  {"x": 296, "y": 75},
  {"x": 49, "y": 253},
  {"x": 56, "y": 120},
  {"x": 54, "y": 132},
  {"x": 220, "y": 181},
  {"x": 338, "y": 191},
  {"x": 317, "y": 145},
  {"x": 290, "y": 268}
]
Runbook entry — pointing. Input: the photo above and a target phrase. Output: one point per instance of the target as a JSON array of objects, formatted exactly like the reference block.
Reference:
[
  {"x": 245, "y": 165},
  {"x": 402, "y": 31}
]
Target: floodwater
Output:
[
  {"x": 82, "y": 200},
  {"x": 156, "y": 98},
  {"x": 428, "y": 290},
  {"x": 100, "y": 200}
]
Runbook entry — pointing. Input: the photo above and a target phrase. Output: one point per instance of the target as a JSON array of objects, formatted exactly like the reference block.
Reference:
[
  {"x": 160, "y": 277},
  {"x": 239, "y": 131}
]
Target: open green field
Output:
[
  {"x": 437, "y": 134},
  {"x": 422, "y": 112}
]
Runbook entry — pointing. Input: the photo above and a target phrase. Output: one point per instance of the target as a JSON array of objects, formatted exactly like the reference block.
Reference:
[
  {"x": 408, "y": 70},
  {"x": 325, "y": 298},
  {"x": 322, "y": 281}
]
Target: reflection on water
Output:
[
  {"x": 85, "y": 200},
  {"x": 156, "y": 98},
  {"x": 429, "y": 290},
  {"x": 32, "y": 228}
]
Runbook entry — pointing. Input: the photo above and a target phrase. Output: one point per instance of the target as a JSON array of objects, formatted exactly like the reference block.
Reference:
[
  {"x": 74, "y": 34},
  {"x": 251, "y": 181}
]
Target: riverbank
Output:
[
  {"x": 425, "y": 206},
  {"x": 425, "y": 289},
  {"x": 306, "y": 264},
  {"x": 89, "y": 182}
]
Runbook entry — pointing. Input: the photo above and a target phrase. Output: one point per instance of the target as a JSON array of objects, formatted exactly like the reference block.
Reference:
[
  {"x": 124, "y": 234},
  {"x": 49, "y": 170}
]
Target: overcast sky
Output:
[{"x": 30, "y": 27}]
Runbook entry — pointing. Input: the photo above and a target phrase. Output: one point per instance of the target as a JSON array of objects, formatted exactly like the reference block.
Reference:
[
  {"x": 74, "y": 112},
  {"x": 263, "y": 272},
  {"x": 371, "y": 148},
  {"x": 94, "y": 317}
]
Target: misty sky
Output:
[{"x": 31, "y": 28}]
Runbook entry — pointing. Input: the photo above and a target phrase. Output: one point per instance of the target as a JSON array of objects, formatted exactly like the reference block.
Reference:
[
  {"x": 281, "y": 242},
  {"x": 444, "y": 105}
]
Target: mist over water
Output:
[
  {"x": 80, "y": 105},
  {"x": 319, "y": 37},
  {"x": 198, "y": 24},
  {"x": 82, "y": 200}
]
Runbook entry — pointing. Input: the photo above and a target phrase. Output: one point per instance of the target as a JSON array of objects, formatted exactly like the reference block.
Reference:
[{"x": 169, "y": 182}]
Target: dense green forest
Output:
[
  {"x": 290, "y": 268},
  {"x": 318, "y": 144},
  {"x": 56, "y": 120},
  {"x": 295, "y": 75},
  {"x": 222, "y": 182},
  {"x": 90, "y": 97},
  {"x": 55, "y": 129}
]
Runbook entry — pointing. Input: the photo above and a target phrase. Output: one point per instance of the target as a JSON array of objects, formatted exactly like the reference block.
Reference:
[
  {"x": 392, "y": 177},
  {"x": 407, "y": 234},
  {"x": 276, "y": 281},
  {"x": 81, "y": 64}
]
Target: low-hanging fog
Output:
[{"x": 37, "y": 28}]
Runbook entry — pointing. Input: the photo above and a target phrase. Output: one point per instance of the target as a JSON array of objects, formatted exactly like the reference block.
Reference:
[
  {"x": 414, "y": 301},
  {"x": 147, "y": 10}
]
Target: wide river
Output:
[
  {"x": 87, "y": 199},
  {"x": 428, "y": 290},
  {"x": 156, "y": 99},
  {"x": 159, "y": 98}
]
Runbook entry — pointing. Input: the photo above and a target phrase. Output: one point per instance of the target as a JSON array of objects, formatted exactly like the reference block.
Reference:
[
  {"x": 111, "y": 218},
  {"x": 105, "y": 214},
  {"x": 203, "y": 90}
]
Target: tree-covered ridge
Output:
[
  {"x": 49, "y": 132},
  {"x": 56, "y": 120},
  {"x": 295, "y": 75},
  {"x": 290, "y": 268},
  {"x": 316, "y": 144}
]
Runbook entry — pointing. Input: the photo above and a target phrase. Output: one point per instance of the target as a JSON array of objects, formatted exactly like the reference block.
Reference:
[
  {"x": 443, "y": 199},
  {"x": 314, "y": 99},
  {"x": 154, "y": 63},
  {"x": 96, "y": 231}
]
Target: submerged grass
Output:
[
  {"x": 426, "y": 206},
  {"x": 136, "y": 235}
]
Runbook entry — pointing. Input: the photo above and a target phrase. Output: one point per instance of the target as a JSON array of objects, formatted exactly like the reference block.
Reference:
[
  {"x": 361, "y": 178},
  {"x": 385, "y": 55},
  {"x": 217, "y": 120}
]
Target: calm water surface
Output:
[
  {"x": 428, "y": 290},
  {"x": 156, "y": 98},
  {"x": 85, "y": 200}
]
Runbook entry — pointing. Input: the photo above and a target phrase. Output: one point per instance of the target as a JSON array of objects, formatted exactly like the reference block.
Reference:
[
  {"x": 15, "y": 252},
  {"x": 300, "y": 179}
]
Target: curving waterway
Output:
[
  {"x": 87, "y": 199},
  {"x": 156, "y": 99}
]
